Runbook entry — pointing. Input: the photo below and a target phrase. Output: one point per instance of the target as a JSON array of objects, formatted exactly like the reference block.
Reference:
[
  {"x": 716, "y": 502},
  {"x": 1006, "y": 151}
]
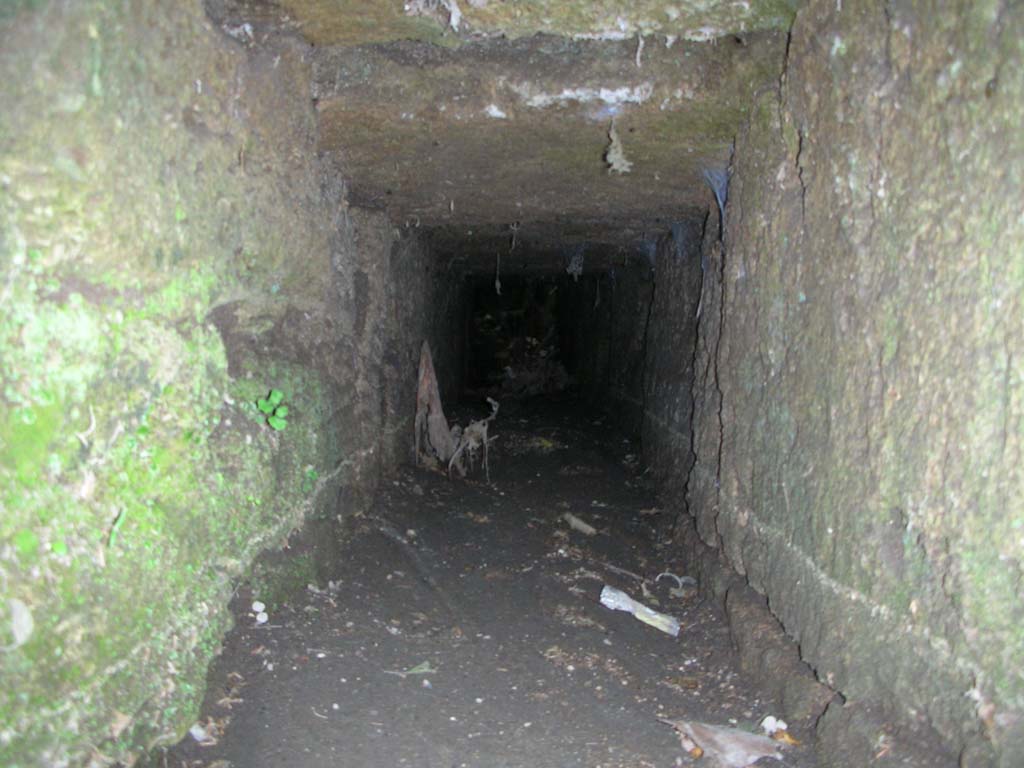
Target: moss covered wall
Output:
[
  {"x": 170, "y": 250},
  {"x": 859, "y": 441}
]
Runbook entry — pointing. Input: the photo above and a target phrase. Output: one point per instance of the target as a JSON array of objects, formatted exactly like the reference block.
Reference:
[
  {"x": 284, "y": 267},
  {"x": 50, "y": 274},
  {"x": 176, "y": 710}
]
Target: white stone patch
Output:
[
  {"x": 493, "y": 110},
  {"x": 704, "y": 34},
  {"x": 21, "y": 622},
  {"x": 454, "y": 14},
  {"x": 636, "y": 94},
  {"x": 614, "y": 155}
]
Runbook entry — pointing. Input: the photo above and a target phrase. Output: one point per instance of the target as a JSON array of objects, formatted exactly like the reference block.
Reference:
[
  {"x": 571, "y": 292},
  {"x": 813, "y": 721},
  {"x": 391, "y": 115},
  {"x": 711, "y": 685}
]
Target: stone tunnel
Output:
[{"x": 764, "y": 259}]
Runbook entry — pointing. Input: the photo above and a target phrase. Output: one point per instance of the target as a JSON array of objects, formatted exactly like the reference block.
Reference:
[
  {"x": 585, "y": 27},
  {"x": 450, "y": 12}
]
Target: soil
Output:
[{"x": 464, "y": 627}]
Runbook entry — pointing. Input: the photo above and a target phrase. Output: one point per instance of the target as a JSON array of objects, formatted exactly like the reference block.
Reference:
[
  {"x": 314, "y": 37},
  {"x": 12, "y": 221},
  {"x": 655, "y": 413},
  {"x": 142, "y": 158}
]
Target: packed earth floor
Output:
[{"x": 464, "y": 627}]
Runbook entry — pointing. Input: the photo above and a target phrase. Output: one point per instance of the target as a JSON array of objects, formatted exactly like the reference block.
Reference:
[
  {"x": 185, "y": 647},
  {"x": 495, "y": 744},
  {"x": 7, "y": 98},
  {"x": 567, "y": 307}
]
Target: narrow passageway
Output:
[
  {"x": 736, "y": 284},
  {"x": 464, "y": 627}
]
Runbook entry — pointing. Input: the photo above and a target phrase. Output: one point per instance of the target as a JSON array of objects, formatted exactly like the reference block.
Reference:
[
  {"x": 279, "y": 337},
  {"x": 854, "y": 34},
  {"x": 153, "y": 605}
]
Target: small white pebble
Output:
[
  {"x": 261, "y": 618},
  {"x": 258, "y": 607},
  {"x": 335, "y": 706},
  {"x": 527, "y": 725},
  {"x": 478, "y": 700},
  {"x": 454, "y": 719},
  {"x": 426, "y": 684}
]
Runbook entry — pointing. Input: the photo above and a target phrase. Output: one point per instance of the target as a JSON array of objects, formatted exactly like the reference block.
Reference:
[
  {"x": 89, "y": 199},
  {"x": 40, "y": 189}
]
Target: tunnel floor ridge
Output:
[{"x": 464, "y": 627}]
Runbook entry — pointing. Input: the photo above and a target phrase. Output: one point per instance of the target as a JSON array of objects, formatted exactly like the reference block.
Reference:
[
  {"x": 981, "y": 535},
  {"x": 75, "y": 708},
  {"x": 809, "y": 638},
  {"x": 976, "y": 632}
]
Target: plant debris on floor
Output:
[{"x": 465, "y": 629}]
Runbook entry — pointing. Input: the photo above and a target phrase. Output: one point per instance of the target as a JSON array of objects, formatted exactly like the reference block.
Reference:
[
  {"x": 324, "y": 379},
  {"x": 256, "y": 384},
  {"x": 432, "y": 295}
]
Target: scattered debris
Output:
[
  {"x": 620, "y": 571},
  {"x": 778, "y": 730},
  {"x": 471, "y": 440},
  {"x": 614, "y": 155},
  {"x": 434, "y": 8},
  {"x": 260, "y": 610},
  {"x": 208, "y": 732},
  {"x": 732, "y": 747},
  {"x": 648, "y": 595},
  {"x": 574, "y": 617},
  {"x": 431, "y": 426},
  {"x": 423, "y": 668},
  {"x": 681, "y": 581},
  {"x": 578, "y": 525},
  {"x": 455, "y": 447},
  {"x": 618, "y": 600},
  {"x": 242, "y": 33},
  {"x": 771, "y": 725}
]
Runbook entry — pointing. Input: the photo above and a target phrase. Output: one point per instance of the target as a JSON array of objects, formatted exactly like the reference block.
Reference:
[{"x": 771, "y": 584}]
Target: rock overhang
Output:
[{"x": 573, "y": 122}]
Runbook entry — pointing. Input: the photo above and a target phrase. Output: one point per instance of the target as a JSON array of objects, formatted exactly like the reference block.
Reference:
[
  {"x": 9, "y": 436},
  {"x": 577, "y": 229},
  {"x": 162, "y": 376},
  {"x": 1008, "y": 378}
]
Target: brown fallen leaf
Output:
[
  {"x": 690, "y": 683},
  {"x": 785, "y": 738},
  {"x": 119, "y": 723},
  {"x": 732, "y": 747}
]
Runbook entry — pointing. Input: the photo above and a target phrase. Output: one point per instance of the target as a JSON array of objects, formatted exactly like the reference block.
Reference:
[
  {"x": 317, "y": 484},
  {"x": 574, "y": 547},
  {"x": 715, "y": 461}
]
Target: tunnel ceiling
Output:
[{"x": 508, "y": 120}]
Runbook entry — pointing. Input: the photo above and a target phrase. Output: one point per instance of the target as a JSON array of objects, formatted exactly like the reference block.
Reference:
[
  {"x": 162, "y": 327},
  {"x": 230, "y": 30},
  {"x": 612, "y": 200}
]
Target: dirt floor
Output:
[{"x": 464, "y": 628}]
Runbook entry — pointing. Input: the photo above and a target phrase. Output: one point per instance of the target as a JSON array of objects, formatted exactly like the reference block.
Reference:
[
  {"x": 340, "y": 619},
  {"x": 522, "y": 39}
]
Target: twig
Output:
[
  {"x": 620, "y": 571},
  {"x": 92, "y": 427},
  {"x": 118, "y": 522}
]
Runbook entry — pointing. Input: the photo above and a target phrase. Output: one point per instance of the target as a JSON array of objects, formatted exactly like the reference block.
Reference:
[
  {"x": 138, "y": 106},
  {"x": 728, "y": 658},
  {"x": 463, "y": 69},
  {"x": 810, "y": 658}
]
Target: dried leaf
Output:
[
  {"x": 119, "y": 723},
  {"x": 785, "y": 738},
  {"x": 578, "y": 525},
  {"x": 732, "y": 747}
]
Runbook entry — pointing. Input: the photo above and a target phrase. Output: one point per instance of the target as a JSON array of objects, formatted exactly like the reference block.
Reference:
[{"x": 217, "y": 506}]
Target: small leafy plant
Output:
[{"x": 271, "y": 406}]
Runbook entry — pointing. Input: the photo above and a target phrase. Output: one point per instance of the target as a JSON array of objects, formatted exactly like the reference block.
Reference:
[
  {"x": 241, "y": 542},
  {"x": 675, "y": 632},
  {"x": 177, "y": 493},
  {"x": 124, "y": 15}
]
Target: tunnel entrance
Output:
[{"x": 710, "y": 280}]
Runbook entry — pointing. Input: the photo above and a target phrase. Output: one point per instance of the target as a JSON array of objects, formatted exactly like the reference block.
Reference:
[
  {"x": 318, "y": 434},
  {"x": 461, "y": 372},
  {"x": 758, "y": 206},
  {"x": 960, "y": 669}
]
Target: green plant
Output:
[
  {"x": 271, "y": 406},
  {"x": 309, "y": 480}
]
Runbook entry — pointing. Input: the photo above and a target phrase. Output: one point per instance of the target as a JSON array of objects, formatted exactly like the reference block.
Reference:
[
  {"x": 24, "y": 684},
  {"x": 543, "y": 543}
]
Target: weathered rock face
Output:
[
  {"x": 843, "y": 418},
  {"x": 859, "y": 441},
  {"x": 496, "y": 133},
  {"x": 170, "y": 251},
  {"x": 448, "y": 22}
]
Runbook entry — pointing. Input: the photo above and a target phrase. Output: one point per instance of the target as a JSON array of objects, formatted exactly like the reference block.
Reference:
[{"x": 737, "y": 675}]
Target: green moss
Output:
[
  {"x": 276, "y": 581},
  {"x": 124, "y": 465}
]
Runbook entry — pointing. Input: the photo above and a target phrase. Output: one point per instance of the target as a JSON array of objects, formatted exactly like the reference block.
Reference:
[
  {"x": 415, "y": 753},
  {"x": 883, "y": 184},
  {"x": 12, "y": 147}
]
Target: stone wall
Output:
[
  {"x": 170, "y": 251},
  {"x": 604, "y": 317},
  {"x": 668, "y": 370},
  {"x": 859, "y": 438}
]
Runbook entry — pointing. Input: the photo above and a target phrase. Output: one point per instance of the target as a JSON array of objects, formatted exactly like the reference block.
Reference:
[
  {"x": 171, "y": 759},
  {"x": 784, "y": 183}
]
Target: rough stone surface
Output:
[
  {"x": 170, "y": 250},
  {"x": 497, "y": 132},
  {"x": 326, "y": 22},
  {"x": 604, "y": 316},
  {"x": 859, "y": 449}
]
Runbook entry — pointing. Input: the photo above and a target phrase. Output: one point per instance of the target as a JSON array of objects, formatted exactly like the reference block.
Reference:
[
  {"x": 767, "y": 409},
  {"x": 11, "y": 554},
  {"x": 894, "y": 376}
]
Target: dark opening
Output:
[{"x": 515, "y": 342}]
